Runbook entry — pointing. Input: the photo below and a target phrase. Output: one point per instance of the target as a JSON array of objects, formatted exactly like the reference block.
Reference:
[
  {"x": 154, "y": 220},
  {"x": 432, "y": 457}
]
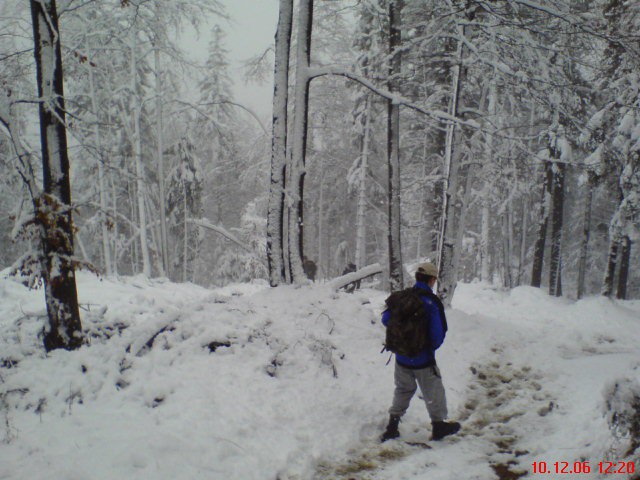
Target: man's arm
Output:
[
  {"x": 436, "y": 330},
  {"x": 385, "y": 317}
]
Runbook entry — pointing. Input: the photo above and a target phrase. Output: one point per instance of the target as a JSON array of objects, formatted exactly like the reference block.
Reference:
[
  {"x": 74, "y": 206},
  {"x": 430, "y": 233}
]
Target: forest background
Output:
[{"x": 499, "y": 138}]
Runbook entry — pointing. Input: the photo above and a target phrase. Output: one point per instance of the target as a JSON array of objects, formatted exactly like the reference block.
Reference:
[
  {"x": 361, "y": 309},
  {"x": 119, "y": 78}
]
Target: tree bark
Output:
[
  {"x": 137, "y": 159},
  {"x": 185, "y": 233},
  {"x": 555, "y": 261},
  {"x": 485, "y": 267},
  {"x": 164, "y": 242},
  {"x": 276, "y": 203},
  {"x": 543, "y": 222},
  {"x": 586, "y": 233},
  {"x": 64, "y": 329},
  {"x": 609, "y": 274},
  {"x": 297, "y": 155},
  {"x": 623, "y": 271},
  {"x": 396, "y": 280},
  {"x": 361, "y": 246},
  {"x": 104, "y": 231},
  {"x": 523, "y": 239},
  {"x": 447, "y": 281}
]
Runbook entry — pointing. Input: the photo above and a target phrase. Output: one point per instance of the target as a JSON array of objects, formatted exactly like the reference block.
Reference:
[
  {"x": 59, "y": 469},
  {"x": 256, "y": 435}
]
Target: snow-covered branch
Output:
[
  {"x": 385, "y": 93},
  {"x": 8, "y": 123},
  {"x": 221, "y": 230},
  {"x": 197, "y": 106}
]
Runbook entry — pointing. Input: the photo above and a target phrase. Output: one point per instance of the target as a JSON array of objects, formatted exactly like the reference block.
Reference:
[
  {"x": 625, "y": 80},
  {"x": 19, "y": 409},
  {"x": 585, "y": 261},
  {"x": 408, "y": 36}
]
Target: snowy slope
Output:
[{"x": 247, "y": 382}]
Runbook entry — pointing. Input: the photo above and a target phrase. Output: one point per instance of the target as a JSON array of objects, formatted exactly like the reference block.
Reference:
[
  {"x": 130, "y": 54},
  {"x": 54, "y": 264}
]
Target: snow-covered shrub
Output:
[{"x": 622, "y": 408}]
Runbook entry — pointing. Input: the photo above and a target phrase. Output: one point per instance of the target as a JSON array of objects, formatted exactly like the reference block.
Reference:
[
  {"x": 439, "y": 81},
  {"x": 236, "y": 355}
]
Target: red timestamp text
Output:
[{"x": 572, "y": 468}]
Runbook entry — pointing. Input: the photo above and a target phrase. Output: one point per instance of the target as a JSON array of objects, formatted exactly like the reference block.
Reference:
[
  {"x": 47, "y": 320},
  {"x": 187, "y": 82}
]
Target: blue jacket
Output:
[{"x": 436, "y": 333}]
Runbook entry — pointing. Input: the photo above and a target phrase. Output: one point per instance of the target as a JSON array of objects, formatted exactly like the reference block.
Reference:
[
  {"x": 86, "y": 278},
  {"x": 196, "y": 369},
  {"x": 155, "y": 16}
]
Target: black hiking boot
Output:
[
  {"x": 392, "y": 429},
  {"x": 442, "y": 429}
]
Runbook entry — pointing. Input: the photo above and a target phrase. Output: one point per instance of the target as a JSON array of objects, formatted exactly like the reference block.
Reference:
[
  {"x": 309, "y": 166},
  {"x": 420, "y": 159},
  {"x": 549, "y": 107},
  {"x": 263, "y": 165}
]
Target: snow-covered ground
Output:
[{"x": 246, "y": 382}]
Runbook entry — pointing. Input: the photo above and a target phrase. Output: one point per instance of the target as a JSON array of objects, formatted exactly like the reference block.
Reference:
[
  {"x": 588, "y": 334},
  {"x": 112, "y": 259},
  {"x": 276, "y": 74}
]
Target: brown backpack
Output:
[{"x": 407, "y": 328}]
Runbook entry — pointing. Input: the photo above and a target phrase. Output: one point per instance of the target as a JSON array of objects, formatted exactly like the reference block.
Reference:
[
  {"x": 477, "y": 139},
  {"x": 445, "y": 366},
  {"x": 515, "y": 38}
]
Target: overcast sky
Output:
[{"x": 250, "y": 30}]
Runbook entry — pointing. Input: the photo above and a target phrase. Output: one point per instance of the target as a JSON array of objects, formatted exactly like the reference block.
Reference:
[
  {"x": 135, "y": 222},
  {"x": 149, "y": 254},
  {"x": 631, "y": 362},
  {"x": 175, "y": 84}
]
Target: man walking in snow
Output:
[{"x": 422, "y": 368}]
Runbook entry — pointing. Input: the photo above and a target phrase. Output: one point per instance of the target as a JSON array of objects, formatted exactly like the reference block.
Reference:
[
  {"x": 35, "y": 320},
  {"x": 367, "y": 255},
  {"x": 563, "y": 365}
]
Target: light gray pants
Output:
[{"x": 430, "y": 383}]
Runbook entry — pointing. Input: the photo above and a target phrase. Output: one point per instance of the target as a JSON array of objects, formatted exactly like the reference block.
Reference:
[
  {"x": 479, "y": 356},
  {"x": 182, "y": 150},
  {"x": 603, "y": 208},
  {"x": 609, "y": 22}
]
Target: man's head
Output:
[{"x": 428, "y": 273}]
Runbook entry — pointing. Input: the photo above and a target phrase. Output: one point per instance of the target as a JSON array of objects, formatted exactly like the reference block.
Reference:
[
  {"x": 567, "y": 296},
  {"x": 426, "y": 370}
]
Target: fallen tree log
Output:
[{"x": 365, "y": 272}]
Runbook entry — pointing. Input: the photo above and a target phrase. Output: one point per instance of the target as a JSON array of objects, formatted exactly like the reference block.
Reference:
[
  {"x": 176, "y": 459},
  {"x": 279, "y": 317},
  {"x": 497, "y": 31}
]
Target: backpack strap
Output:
[{"x": 423, "y": 292}]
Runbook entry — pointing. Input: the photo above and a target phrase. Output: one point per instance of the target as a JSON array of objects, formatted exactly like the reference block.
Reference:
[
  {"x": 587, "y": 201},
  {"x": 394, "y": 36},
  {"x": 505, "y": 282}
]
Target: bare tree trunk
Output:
[
  {"x": 507, "y": 248},
  {"x": 543, "y": 221},
  {"x": 609, "y": 275},
  {"x": 396, "y": 269},
  {"x": 275, "y": 215},
  {"x": 64, "y": 329},
  {"x": 296, "y": 171},
  {"x": 421, "y": 213},
  {"x": 525, "y": 205},
  {"x": 322, "y": 271},
  {"x": 114, "y": 213},
  {"x": 523, "y": 240},
  {"x": 508, "y": 235},
  {"x": 485, "y": 234},
  {"x": 462, "y": 222},
  {"x": 485, "y": 264},
  {"x": 185, "y": 238},
  {"x": 586, "y": 233},
  {"x": 623, "y": 271},
  {"x": 555, "y": 262}
]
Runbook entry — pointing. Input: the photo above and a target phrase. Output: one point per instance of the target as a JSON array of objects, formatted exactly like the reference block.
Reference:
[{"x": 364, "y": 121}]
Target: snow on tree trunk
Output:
[
  {"x": 462, "y": 220},
  {"x": 525, "y": 205},
  {"x": 320, "y": 216},
  {"x": 137, "y": 160},
  {"x": 361, "y": 254},
  {"x": 446, "y": 279},
  {"x": 396, "y": 281},
  {"x": 523, "y": 239},
  {"x": 104, "y": 231},
  {"x": 487, "y": 177},
  {"x": 164, "y": 242},
  {"x": 507, "y": 246},
  {"x": 586, "y": 233},
  {"x": 114, "y": 213},
  {"x": 64, "y": 329},
  {"x": 275, "y": 218},
  {"x": 508, "y": 235},
  {"x": 296, "y": 165},
  {"x": 185, "y": 232},
  {"x": 557, "y": 217}
]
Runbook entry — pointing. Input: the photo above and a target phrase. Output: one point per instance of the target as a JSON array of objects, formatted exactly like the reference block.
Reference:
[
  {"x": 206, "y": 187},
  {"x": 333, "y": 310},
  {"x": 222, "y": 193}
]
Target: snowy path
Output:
[
  {"x": 500, "y": 393},
  {"x": 528, "y": 385}
]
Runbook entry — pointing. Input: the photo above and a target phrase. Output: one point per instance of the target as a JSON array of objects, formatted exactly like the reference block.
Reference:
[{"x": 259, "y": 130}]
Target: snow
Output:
[{"x": 295, "y": 387}]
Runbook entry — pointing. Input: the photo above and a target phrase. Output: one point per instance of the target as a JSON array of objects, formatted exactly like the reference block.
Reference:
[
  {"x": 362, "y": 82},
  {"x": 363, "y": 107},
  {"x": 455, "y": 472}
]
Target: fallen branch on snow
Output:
[
  {"x": 365, "y": 272},
  {"x": 221, "y": 230}
]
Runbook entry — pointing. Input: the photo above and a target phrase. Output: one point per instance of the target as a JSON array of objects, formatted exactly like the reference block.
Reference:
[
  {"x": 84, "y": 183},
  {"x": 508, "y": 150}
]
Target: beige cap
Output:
[{"x": 428, "y": 268}]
